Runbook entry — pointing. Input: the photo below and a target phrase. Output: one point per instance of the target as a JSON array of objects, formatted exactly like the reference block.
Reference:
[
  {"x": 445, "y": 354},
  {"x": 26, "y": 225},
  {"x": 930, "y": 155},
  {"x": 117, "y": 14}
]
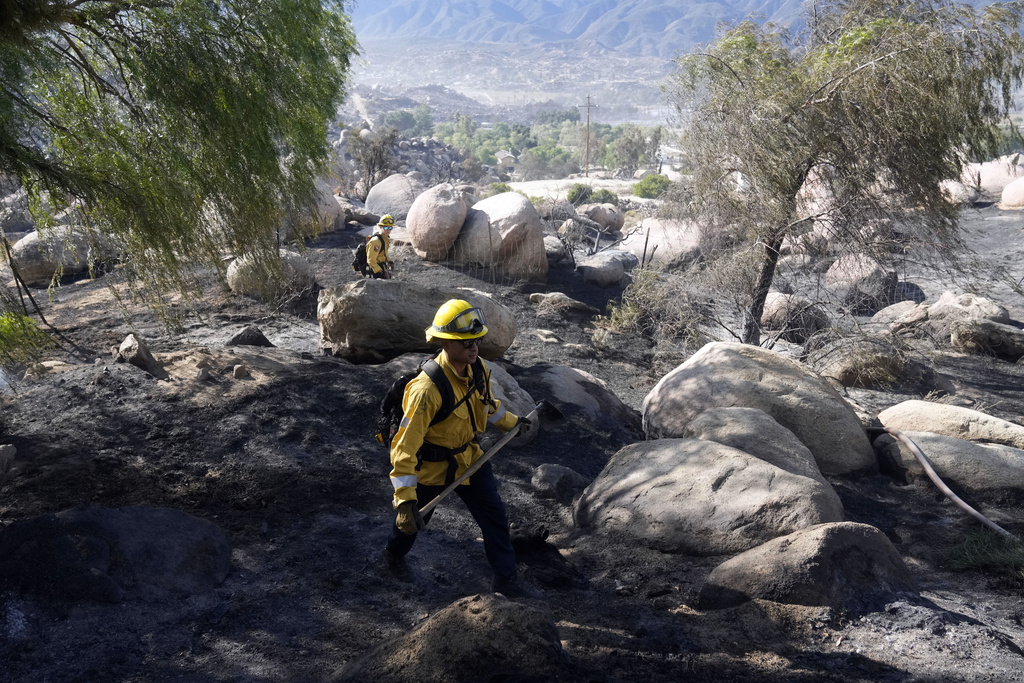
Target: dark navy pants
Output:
[{"x": 481, "y": 498}]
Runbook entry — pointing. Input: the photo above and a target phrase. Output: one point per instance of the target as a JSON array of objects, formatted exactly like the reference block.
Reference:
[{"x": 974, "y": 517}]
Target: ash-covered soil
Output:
[{"x": 286, "y": 464}]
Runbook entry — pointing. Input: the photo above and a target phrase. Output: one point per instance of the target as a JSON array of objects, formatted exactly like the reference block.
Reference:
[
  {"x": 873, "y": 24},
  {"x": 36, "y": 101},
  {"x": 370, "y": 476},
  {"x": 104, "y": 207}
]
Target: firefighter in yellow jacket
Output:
[
  {"x": 377, "y": 248},
  {"x": 425, "y": 458}
]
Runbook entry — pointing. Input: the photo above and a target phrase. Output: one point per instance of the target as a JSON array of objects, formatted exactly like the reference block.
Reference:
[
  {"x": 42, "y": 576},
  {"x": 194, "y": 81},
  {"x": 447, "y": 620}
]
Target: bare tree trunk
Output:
[{"x": 752, "y": 316}]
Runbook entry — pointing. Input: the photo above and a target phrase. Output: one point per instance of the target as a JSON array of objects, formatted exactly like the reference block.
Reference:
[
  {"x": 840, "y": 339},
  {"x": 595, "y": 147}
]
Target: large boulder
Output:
[
  {"x": 101, "y": 554},
  {"x": 986, "y": 472},
  {"x": 795, "y": 317},
  {"x": 955, "y": 421},
  {"x": 862, "y": 283},
  {"x": 373, "y": 321},
  {"x": 394, "y": 195},
  {"x": 353, "y": 213},
  {"x": 607, "y": 268},
  {"x": 755, "y": 432},
  {"x": 893, "y": 312},
  {"x": 952, "y": 306},
  {"x": 993, "y": 176},
  {"x": 701, "y": 497},
  {"x": 14, "y": 213},
  {"x": 60, "y": 250},
  {"x": 434, "y": 221},
  {"x": 874, "y": 362},
  {"x": 479, "y": 242},
  {"x": 514, "y": 399},
  {"x": 478, "y": 638},
  {"x": 525, "y": 261},
  {"x": 607, "y": 216},
  {"x": 249, "y": 277},
  {"x": 330, "y": 215},
  {"x": 578, "y": 393},
  {"x": 936, "y": 319},
  {"x": 958, "y": 193},
  {"x": 850, "y": 567},
  {"x": 731, "y": 374},
  {"x": 555, "y": 249},
  {"x": 1012, "y": 196},
  {"x": 522, "y": 255},
  {"x": 861, "y": 362},
  {"x": 673, "y": 244},
  {"x": 988, "y": 337}
]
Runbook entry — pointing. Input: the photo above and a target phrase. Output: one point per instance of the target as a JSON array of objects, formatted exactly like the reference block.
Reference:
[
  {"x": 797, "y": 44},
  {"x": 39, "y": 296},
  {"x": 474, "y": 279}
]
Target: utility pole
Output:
[{"x": 586, "y": 162}]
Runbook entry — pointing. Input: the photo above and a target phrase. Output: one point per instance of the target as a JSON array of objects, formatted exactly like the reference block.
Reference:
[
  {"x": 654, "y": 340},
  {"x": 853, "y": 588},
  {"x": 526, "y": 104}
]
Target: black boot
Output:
[
  {"x": 396, "y": 566},
  {"x": 514, "y": 588}
]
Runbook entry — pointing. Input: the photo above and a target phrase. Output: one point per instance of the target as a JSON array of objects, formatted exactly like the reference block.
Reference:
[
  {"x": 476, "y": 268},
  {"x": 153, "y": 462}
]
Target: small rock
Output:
[{"x": 249, "y": 336}]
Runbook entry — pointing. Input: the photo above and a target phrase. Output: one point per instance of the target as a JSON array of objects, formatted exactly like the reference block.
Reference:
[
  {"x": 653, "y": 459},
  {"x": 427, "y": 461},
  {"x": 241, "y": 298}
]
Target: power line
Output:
[{"x": 586, "y": 163}]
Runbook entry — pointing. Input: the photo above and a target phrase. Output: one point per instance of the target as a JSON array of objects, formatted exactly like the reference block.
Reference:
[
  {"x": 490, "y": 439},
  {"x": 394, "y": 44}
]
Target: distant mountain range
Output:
[
  {"x": 656, "y": 28},
  {"x": 634, "y": 27}
]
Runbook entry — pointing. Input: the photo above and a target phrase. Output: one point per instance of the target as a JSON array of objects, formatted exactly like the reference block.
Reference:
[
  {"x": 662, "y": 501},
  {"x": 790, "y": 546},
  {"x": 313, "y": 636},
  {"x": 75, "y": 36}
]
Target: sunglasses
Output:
[{"x": 470, "y": 343}]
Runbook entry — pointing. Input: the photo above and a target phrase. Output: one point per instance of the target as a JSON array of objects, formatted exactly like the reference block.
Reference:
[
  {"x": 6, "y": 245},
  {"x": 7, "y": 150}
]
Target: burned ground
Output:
[{"x": 286, "y": 464}]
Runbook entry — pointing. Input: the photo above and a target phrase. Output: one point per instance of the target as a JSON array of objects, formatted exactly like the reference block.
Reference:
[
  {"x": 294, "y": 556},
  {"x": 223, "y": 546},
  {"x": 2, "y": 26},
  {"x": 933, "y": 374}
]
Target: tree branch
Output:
[{"x": 725, "y": 64}]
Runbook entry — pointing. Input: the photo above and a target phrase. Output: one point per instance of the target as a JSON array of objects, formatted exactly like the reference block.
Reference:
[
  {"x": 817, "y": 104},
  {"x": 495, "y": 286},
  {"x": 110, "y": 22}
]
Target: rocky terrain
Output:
[{"x": 288, "y": 506}]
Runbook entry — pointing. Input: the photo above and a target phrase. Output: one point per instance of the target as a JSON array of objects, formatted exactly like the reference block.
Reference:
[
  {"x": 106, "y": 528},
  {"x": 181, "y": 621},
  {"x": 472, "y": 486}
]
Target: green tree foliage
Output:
[
  {"x": 21, "y": 341},
  {"x": 182, "y": 128},
  {"x": 628, "y": 151},
  {"x": 603, "y": 196},
  {"x": 651, "y": 187},
  {"x": 418, "y": 122},
  {"x": 579, "y": 194},
  {"x": 885, "y": 99},
  {"x": 557, "y": 116},
  {"x": 539, "y": 162}
]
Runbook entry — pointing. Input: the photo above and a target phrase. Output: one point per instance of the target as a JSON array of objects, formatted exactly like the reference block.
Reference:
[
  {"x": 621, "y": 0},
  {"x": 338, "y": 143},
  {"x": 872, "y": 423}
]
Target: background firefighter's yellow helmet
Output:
[
  {"x": 386, "y": 221},
  {"x": 457, "y": 319}
]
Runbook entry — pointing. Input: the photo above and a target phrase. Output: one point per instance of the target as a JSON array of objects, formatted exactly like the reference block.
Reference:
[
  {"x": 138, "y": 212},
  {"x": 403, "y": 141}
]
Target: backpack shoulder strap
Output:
[
  {"x": 481, "y": 381},
  {"x": 437, "y": 376}
]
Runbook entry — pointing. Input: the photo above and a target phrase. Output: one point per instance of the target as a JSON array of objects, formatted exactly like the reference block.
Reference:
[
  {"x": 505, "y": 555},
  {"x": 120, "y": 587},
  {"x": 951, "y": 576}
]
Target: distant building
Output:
[{"x": 507, "y": 161}]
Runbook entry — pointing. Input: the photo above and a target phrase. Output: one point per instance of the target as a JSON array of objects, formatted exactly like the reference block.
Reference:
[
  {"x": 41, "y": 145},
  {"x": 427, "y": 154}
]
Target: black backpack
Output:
[
  {"x": 359, "y": 263},
  {"x": 391, "y": 405}
]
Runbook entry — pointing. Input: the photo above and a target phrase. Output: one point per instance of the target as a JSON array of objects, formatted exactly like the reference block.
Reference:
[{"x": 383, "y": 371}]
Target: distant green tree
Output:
[
  {"x": 557, "y": 116},
  {"x": 579, "y": 194},
  {"x": 538, "y": 163},
  {"x": 401, "y": 120},
  {"x": 413, "y": 123},
  {"x": 182, "y": 128},
  {"x": 651, "y": 187},
  {"x": 423, "y": 121},
  {"x": 603, "y": 196}
]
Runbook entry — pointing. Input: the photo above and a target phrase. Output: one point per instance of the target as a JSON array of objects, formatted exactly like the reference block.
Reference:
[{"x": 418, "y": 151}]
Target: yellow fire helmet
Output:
[
  {"x": 386, "y": 221},
  {"x": 457, "y": 319}
]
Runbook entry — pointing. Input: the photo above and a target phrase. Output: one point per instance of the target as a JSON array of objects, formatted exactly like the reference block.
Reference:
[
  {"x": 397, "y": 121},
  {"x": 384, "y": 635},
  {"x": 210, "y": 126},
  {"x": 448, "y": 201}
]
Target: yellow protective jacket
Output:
[
  {"x": 377, "y": 251},
  {"x": 420, "y": 403}
]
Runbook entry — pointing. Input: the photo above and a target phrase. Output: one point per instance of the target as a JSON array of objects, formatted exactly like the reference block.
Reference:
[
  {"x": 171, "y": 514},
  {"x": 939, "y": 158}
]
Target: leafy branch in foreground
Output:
[
  {"x": 21, "y": 341},
  {"x": 183, "y": 129}
]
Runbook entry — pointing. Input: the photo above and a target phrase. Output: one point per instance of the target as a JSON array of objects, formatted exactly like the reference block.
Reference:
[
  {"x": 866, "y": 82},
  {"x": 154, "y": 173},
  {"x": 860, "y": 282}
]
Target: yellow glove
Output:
[{"x": 409, "y": 520}]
